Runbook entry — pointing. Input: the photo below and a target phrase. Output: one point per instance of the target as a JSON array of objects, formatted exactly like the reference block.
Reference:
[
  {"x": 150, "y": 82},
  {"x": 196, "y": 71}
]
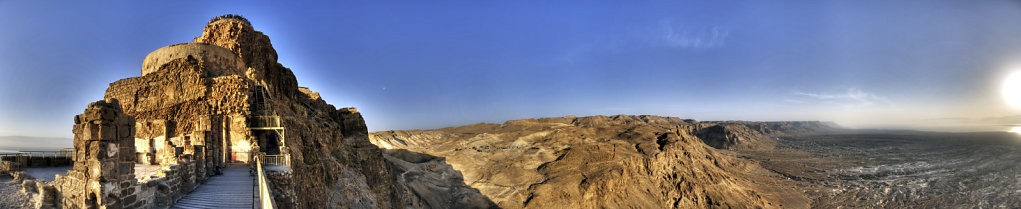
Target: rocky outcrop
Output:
[
  {"x": 334, "y": 164},
  {"x": 588, "y": 162},
  {"x": 434, "y": 181}
]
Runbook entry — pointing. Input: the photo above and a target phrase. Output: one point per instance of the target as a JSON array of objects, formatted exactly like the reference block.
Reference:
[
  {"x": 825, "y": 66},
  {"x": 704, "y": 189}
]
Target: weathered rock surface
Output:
[
  {"x": 615, "y": 162},
  {"x": 198, "y": 89},
  {"x": 745, "y": 134}
]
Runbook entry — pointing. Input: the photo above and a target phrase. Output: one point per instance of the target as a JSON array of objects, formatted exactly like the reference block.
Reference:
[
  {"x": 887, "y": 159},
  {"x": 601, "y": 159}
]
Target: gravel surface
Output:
[{"x": 11, "y": 195}]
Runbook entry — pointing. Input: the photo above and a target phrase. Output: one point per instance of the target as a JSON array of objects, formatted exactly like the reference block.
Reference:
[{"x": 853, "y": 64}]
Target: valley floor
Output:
[{"x": 899, "y": 169}]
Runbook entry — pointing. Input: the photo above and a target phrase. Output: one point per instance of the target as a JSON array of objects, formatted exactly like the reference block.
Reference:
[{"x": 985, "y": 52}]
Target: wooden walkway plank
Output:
[{"x": 233, "y": 189}]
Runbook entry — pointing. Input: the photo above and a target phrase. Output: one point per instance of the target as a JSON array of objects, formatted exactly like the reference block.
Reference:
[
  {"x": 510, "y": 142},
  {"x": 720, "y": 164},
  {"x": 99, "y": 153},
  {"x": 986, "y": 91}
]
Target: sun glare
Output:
[
  {"x": 1016, "y": 130},
  {"x": 1012, "y": 89}
]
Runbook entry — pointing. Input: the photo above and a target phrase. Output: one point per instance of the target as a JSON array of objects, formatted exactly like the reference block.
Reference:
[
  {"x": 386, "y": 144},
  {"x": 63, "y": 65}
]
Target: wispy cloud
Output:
[
  {"x": 665, "y": 34},
  {"x": 693, "y": 37},
  {"x": 851, "y": 98}
]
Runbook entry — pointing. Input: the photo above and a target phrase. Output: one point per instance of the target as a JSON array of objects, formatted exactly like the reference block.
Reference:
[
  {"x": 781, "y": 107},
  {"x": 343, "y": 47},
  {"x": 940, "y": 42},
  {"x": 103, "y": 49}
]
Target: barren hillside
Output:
[{"x": 618, "y": 162}]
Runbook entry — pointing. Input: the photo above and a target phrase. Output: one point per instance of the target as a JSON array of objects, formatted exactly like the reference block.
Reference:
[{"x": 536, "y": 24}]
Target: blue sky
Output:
[{"x": 419, "y": 65}]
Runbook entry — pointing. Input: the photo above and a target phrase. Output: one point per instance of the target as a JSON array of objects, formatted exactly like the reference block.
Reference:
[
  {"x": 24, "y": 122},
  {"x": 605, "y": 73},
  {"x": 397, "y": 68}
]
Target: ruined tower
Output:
[{"x": 104, "y": 158}]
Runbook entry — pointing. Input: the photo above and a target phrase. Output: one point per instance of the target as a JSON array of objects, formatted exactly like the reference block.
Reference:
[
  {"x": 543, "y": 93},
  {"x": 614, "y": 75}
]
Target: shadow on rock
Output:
[{"x": 435, "y": 182}]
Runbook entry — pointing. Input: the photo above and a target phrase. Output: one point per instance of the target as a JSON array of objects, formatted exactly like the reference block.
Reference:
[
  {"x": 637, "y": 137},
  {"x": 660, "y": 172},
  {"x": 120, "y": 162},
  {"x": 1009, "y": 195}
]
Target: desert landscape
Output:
[
  {"x": 509, "y": 105},
  {"x": 753, "y": 164}
]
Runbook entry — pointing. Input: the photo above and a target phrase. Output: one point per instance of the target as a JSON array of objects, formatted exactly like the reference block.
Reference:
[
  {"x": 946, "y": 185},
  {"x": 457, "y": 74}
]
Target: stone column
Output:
[{"x": 104, "y": 159}]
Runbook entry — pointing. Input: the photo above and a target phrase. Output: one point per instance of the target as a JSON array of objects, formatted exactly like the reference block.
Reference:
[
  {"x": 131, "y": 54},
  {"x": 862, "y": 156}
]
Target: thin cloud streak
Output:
[
  {"x": 713, "y": 37},
  {"x": 851, "y": 98},
  {"x": 663, "y": 35}
]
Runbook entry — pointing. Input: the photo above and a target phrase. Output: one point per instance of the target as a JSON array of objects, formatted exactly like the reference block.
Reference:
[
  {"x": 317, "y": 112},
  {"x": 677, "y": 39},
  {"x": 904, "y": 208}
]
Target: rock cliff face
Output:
[
  {"x": 617, "y": 162},
  {"x": 744, "y": 134},
  {"x": 217, "y": 87}
]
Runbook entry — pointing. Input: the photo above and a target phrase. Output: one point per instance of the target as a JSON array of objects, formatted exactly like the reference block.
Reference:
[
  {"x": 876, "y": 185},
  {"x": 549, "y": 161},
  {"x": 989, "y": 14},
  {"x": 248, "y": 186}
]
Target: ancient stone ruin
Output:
[
  {"x": 222, "y": 101},
  {"x": 104, "y": 160}
]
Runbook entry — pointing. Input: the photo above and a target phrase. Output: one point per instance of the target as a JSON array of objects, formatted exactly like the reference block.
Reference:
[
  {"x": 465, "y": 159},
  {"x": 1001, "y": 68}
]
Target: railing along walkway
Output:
[{"x": 233, "y": 189}]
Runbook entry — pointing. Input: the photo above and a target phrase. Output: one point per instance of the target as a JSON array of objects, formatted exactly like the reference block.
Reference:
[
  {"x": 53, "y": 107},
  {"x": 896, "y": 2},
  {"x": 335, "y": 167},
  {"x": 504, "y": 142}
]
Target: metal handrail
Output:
[
  {"x": 65, "y": 153},
  {"x": 281, "y": 159},
  {"x": 265, "y": 200},
  {"x": 265, "y": 121},
  {"x": 62, "y": 153}
]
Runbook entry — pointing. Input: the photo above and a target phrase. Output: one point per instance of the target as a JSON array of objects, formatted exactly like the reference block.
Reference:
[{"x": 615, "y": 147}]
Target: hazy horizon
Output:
[{"x": 937, "y": 66}]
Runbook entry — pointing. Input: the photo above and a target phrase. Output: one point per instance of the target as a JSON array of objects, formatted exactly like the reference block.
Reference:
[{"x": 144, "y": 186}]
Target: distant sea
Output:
[{"x": 26, "y": 143}]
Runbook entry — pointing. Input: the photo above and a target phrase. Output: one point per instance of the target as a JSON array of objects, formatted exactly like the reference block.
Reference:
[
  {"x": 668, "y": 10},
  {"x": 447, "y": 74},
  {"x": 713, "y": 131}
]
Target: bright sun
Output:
[{"x": 1012, "y": 89}]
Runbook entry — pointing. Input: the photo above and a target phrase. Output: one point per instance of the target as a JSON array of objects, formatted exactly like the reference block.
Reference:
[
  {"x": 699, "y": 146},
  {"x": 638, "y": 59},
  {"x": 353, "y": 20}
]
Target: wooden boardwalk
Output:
[{"x": 233, "y": 189}]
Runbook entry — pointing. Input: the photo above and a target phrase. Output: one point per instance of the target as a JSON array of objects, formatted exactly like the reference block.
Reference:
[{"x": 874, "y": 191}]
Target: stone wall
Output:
[
  {"x": 173, "y": 182},
  {"x": 103, "y": 175},
  {"x": 105, "y": 155},
  {"x": 282, "y": 188},
  {"x": 17, "y": 163},
  {"x": 220, "y": 60}
]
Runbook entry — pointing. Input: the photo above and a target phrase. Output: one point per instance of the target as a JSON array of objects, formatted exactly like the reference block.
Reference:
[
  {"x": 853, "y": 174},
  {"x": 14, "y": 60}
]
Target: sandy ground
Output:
[
  {"x": 142, "y": 172},
  {"x": 47, "y": 173},
  {"x": 11, "y": 195}
]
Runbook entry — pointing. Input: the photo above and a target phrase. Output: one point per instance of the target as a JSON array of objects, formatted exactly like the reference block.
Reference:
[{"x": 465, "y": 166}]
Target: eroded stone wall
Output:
[
  {"x": 104, "y": 158},
  {"x": 221, "y": 61}
]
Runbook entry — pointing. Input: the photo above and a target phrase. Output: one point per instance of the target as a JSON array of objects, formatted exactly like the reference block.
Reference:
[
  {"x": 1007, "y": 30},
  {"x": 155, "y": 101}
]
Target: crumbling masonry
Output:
[{"x": 104, "y": 160}]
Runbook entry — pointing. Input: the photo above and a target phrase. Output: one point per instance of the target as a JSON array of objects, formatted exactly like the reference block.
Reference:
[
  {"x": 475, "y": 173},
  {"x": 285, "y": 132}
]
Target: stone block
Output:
[
  {"x": 101, "y": 150},
  {"x": 91, "y": 114},
  {"x": 107, "y": 131},
  {"x": 129, "y": 198},
  {"x": 89, "y": 132},
  {"x": 29, "y": 186},
  {"x": 79, "y": 153},
  {"x": 131, "y": 131},
  {"x": 126, "y": 167},
  {"x": 124, "y": 131},
  {"x": 128, "y": 143},
  {"x": 103, "y": 170},
  {"x": 76, "y": 175},
  {"x": 125, "y": 191},
  {"x": 108, "y": 114},
  {"x": 127, "y": 154}
]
